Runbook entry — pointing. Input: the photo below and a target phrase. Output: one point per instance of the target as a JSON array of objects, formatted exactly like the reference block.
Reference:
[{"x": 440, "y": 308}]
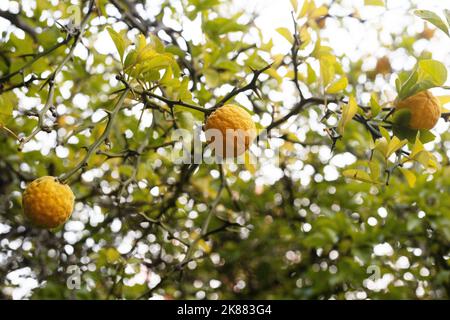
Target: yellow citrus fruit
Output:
[
  {"x": 230, "y": 130},
  {"x": 47, "y": 202},
  {"x": 424, "y": 109}
]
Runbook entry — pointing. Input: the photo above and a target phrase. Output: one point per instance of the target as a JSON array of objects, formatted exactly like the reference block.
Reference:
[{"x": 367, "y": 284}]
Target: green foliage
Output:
[
  {"x": 352, "y": 190},
  {"x": 434, "y": 19},
  {"x": 427, "y": 74},
  {"x": 374, "y": 3}
]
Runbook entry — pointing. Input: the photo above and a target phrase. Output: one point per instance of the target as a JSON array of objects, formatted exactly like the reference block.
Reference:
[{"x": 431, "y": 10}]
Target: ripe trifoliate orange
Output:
[
  {"x": 47, "y": 202},
  {"x": 424, "y": 110},
  {"x": 230, "y": 130}
]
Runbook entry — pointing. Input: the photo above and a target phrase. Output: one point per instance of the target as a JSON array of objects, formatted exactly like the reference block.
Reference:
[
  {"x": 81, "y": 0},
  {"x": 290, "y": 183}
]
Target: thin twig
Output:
[
  {"x": 172, "y": 103},
  {"x": 36, "y": 57},
  {"x": 17, "y": 20},
  {"x": 249, "y": 86},
  {"x": 294, "y": 53},
  {"x": 93, "y": 148},
  {"x": 51, "y": 82}
]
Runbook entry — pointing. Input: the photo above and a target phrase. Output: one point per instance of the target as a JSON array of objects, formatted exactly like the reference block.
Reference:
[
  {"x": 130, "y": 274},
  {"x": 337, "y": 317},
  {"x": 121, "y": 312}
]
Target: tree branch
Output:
[
  {"x": 249, "y": 86},
  {"x": 41, "y": 114},
  {"x": 298, "y": 107},
  {"x": 36, "y": 58},
  {"x": 172, "y": 103},
  {"x": 17, "y": 21},
  {"x": 93, "y": 148}
]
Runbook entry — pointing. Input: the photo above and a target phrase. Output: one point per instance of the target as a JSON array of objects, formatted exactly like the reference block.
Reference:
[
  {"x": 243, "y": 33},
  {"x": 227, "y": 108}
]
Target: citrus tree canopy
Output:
[{"x": 117, "y": 179}]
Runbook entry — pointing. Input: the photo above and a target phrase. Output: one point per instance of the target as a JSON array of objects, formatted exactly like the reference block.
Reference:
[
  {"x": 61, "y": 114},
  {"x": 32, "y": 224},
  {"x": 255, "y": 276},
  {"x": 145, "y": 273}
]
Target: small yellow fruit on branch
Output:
[
  {"x": 230, "y": 130},
  {"x": 47, "y": 202},
  {"x": 424, "y": 110}
]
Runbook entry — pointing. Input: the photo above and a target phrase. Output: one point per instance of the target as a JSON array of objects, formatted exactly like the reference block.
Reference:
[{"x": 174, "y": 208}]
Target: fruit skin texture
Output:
[
  {"x": 425, "y": 110},
  {"x": 47, "y": 202},
  {"x": 238, "y": 122}
]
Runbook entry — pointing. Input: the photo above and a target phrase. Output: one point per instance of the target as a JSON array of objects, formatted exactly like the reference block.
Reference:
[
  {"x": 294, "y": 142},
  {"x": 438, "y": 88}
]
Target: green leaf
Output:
[
  {"x": 426, "y": 75},
  {"x": 405, "y": 88},
  {"x": 185, "y": 119},
  {"x": 228, "y": 65},
  {"x": 158, "y": 62},
  {"x": 432, "y": 18},
  {"x": 311, "y": 74},
  {"x": 398, "y": 84},
  {"x": 118, "y": 42},
  {"x": 156, "y": 43},
  {"x": 167, "y": 77},
  {"x": 337, "y": 86},
  {"x": 401, "y": 129},
  {"x": 374, "y": 3},
  {"x": 294, "y": 4},
  {"x": 348, "y": 112},
  {"x": 141, "y": 42},
  {"x": 319, "y": 12},
  {"x": 375, "y": 171},
  {"x": 426, "y": 136},
  {"x": 432, "y": 71},
  {"x": 175, "y": 50},
  {"x": 184, "y": 94},
  {"x": 444, "y": 100},
  {"x": 417, "y": 147},
  {"x": 327, "y": 69},
  {"x": 423, "y": 157},
  {"x": 357, "y": 175},
  {"x": 305, "y": 8},
  {"x": 394, "y": 145},
  {"x": 412, "y": 223},
  {"x": 381, "y": 145},
  {"x": 447, "y": 15},
  {"x": 8, "y": 101},
  {"x": 385, "y": 134},
  {"x": 21, "y": 46},
  {"x": 212, "y": 78},
  {"x": 409, "y": 176},
  {"x": 374, "y": 105},
  {"x": 130, "y": 59},
  {"x": 108, "y": 256},
  {"x": 286, "y": 34},
  {"x": 216, "y": 27}
]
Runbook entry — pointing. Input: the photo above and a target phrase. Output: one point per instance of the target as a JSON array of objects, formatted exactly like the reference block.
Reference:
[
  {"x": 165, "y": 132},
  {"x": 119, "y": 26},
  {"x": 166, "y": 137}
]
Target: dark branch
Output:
[
  {"x": 17, "y": 21},
  {"x": 250, "y": 86}
]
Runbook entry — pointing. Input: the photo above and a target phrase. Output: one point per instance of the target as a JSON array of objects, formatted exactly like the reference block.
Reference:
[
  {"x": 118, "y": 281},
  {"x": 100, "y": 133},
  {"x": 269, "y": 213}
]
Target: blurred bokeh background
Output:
[{"x": 294, "y": 228}]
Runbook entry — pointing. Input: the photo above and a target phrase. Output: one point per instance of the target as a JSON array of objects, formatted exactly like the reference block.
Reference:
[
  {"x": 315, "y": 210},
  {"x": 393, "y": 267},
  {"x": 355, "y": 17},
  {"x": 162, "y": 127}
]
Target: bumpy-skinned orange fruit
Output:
[
  {"x": 230, "y": 130},
  {"x": 424, "y": 108},
  {"x": 47, "y": 202}
]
